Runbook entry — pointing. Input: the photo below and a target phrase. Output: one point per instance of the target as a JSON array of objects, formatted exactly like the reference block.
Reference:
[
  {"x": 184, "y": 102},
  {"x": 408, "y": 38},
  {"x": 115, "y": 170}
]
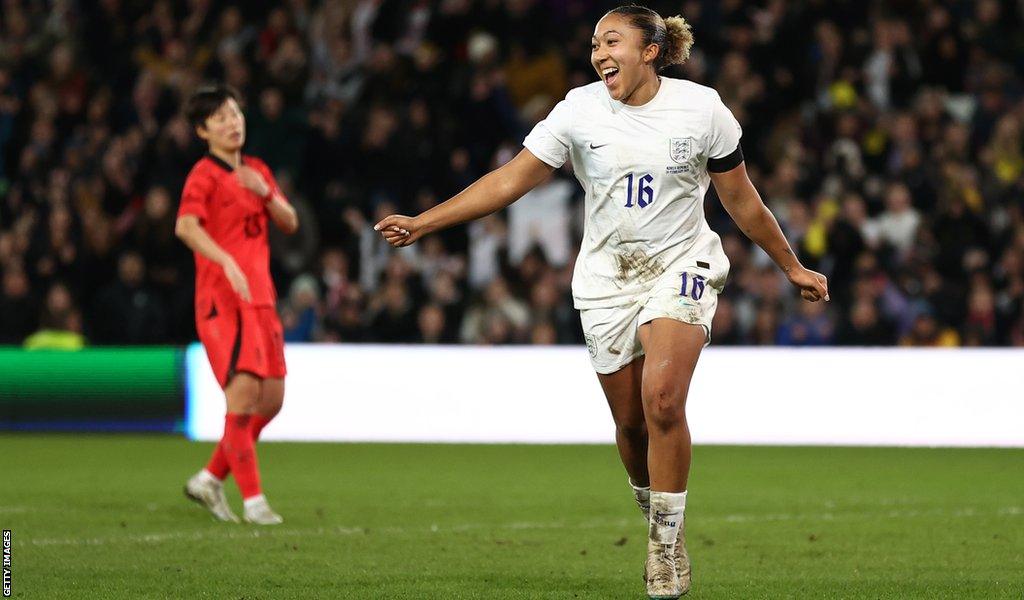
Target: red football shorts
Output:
[{"x": 241, "y": 339}]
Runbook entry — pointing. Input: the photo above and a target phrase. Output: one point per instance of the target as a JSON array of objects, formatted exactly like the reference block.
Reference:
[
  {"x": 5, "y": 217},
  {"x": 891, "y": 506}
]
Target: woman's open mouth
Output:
[{"x": 610, "y": 74}]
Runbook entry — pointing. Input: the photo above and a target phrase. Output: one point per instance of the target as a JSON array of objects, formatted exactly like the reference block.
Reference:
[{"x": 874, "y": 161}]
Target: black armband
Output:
[{"x": 726, "y": 163}]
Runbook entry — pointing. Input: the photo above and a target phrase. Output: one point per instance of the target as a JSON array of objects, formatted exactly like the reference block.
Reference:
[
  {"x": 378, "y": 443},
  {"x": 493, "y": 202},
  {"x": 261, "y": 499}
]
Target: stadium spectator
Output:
[
  {"x": 432, "y": 327},
  {"x": 18, "y": 307},
  {"x": 498, "y": 317},
  {"x": 300, "y": 313},
  {"x": 128, "y": 311},
  {"x": 898, "y": 223},
  {"x": 60, "y": 326},
  {"x": 864, "y": 326},
  {"x": 808, "y": 327}
]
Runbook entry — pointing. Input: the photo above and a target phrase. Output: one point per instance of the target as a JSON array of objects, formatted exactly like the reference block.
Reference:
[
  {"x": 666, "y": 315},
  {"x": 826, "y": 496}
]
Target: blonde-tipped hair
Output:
[
  {"x": 673, "y": 35},
  {"x": 678, "y": 41}
]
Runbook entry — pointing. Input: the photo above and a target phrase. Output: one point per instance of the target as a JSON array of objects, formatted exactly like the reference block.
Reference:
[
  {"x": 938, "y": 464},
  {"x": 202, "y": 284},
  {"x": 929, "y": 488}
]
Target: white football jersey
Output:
[{"x": 644, "y": 171}]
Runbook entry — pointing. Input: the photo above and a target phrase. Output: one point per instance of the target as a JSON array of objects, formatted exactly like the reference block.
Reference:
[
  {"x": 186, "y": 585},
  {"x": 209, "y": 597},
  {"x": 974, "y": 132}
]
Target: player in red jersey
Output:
[{"x": 225, "y": 207}]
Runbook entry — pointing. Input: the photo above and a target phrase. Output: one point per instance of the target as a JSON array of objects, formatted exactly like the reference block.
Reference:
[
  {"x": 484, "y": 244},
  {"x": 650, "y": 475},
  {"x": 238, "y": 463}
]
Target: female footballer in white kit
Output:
[{"x": 644, "y": 148}]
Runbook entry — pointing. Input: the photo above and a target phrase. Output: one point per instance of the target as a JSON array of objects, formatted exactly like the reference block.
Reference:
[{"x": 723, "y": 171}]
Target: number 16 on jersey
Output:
[{"x": 644, "y": 191}]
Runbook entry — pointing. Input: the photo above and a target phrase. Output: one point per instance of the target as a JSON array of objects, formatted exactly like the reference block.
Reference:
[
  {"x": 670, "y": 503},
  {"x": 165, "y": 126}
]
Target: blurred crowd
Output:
[{"x": 885, "y": 136}]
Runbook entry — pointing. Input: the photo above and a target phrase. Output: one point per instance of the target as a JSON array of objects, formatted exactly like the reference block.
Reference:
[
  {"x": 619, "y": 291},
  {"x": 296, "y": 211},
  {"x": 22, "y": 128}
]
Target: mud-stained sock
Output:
[{"x": 667, "y": 510}]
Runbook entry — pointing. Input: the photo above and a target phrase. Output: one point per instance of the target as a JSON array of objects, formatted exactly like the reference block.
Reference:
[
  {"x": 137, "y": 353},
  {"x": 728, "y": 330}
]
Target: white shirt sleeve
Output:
[
  {"x": 724, "y": 137},
  {"x": 551, "y": 139}
]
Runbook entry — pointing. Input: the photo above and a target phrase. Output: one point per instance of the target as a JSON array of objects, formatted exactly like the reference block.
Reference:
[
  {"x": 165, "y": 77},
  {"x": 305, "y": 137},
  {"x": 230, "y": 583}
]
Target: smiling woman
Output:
[
  {"x": 620, "y": 54},
  {"x": 645, "y": 148}
]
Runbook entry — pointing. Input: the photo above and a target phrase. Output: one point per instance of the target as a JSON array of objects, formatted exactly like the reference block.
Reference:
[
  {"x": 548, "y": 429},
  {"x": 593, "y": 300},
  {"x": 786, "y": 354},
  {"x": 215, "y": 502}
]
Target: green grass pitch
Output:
[{"x": 104, "y": 517}]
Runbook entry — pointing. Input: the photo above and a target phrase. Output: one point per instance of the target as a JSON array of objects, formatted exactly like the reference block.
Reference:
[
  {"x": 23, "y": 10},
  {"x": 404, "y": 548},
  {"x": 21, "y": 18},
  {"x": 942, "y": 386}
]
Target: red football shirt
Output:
[{"x": 234, "y": 217}]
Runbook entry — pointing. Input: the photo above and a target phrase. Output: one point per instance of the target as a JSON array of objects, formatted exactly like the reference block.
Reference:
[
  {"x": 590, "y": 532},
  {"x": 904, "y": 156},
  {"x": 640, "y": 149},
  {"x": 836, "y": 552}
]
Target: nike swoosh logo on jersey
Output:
[{"x": 593, "y": 147}]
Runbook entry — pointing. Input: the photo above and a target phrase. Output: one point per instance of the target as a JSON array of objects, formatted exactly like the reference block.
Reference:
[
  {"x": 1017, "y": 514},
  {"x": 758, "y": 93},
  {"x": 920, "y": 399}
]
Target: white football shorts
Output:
[{"x": 687, "y": 292}]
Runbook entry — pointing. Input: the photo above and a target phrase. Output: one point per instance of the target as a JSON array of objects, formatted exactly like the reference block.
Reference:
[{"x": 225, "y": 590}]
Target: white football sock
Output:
[
  {"x": 642, "y": 495},
  {"x": 667, "y": 510},
  {"x": 257, "y": 499},
  {"x": 209, "y": 477}
]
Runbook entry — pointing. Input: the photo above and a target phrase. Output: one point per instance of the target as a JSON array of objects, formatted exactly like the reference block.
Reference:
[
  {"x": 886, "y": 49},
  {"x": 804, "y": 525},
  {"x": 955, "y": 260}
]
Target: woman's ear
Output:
[{"x": 651, "y": 53}]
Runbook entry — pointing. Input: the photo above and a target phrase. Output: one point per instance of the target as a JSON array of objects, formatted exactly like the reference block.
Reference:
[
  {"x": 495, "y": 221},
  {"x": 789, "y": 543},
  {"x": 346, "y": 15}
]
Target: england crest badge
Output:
[{"x": 680, "y": 149}]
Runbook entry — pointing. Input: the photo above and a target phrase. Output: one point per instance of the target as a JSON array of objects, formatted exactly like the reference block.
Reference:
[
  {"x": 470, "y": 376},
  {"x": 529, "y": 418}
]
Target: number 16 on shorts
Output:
[{"x": 692, "y": 286}]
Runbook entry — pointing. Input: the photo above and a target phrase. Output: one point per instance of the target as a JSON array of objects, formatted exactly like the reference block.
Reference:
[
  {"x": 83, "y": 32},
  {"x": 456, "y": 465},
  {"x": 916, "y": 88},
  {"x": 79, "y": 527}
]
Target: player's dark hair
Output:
[
  {"x": 672, "y": 35},
  {"x": 206, "y": 100}
]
